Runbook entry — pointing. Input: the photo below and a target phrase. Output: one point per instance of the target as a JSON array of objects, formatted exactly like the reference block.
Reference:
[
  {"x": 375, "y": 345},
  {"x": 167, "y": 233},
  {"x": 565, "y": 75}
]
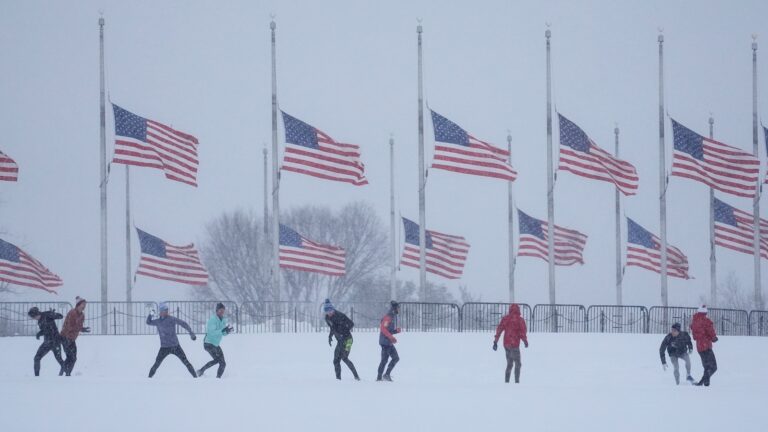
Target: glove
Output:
[
  {"x": 330, "y": 340},
  {"x": 690, "y": 350},
  {"x": 664, "y": 366},
  {"x": 193, "y": 337},
  {"x": 715, "y": 339},
  {"x": 398, "y": 330},
  {"x": 86, "y": 330},
  {"x": 393, "y": 340},
  {"x": 495, "y": 346},
  {"x": 526, "y": 343},
  {"x": 37, "y": 337}
]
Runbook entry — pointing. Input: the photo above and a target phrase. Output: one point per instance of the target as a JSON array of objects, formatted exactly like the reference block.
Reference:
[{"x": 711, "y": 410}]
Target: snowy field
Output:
[{"x": 444, "y": 382}]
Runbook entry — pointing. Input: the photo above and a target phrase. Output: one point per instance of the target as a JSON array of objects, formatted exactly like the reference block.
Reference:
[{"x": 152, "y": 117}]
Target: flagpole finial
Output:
[
  {"x": 711, "y": 119},
  {"x": 754, "y": 41},
  {"x": 616, "y": 128},
  {"x": 548, "y": 33},
  {"x": 661, "y": 34},
  {"x": 272, "y": 24},
  {"x": 419, "y": 29},
  {"x": 101, "y": 18}
]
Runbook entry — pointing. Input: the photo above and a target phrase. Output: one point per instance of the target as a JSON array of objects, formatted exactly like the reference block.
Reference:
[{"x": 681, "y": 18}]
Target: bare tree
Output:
[{"x": 731, "y": 295}]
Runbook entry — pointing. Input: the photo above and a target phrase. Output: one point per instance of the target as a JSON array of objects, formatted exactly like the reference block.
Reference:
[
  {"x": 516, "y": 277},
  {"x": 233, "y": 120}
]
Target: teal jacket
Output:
[{"x": 214, "y": 330}]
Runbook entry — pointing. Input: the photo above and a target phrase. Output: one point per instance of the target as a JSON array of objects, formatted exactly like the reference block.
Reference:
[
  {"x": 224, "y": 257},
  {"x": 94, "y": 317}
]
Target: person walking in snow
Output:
[
  {"x": 704, "y": 334},
  {"x": 341, "y": 327},
  {"x": 169, "y": 343},
  {"x": 678, "y": 345},
  {"x": 513, "y": 327},
  {"x": 387, "y": 329},
  {"x": 51, "y": 339},
  {"x": 70, "y": 330},
  {"x": 215, "y": 329}
]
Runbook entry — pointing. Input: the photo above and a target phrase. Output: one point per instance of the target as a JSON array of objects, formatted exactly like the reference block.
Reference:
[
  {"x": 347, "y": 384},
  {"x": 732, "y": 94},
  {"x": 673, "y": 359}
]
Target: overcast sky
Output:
[{"x": 349, "y": 68}]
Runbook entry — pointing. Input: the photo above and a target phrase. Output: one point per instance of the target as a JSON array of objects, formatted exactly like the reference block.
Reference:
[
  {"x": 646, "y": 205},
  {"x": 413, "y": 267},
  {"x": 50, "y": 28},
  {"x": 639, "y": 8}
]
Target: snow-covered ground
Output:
[{"x": 444, "y": 382}]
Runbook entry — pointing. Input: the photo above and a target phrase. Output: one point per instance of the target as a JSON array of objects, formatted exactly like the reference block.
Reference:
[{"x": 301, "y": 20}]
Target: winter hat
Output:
[
  {"x": 79, "y": 300},
  {"x": 676, "y": 326},
  {"x": 33, "y": 312},
  {"x": 163, "y": 306},
  {"x": 394, "y": 305},
  {"x": 328, "y": 307},
  {"x": 220, "y": 306},
  {"x": 703, "y": 309}
]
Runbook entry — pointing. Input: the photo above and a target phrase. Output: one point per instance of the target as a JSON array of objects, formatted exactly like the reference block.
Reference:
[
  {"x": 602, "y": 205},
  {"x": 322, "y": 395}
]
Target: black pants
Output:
[
  {"x": 513, "y": 360},
  {"x": 710, "y": 365},
  {"x": 70, "y": 349},
  {"x": 387, "y": 352},
  {"x": 178, "y": 352},
  {"x": 341, "y": 354},
  {"x": 48, "y": 345},
  {"x": 218, "y": 358}
]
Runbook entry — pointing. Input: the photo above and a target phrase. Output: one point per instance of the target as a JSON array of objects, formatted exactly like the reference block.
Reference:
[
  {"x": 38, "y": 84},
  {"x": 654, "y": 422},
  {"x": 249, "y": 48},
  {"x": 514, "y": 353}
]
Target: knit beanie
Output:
[
  {"x": 327, "y": 306},
  {"x": 703, "y": 309}
]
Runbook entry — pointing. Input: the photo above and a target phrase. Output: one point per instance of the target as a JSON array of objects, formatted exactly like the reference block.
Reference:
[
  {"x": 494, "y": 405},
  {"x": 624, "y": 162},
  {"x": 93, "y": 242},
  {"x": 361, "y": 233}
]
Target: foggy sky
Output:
[{"x": 349, "y": 68}]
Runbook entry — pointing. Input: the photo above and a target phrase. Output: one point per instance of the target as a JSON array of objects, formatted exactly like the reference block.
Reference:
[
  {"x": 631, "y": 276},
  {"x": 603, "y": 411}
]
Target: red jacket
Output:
[
  {"x": 703, "y": 331},
  {"x": 513, "y": 326},
  {"x": 73, "y": 324}
]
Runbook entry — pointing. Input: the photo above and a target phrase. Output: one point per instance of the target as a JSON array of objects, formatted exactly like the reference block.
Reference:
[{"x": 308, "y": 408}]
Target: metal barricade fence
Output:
[
  {"x": 196, "y": 313},
  {"x": 617, "y": 319},
  {"x": 429, "y": 317},
  {"x": 758, "y": 323},
  {"x": 730, "y": 322},
  {"x": 284, "y": 316},
  {"x": 366, "y": 315},
  {"x": 660, "y": 318},
  {"x": 559, "y": 318},
  {"x": 14, "y": 320},
  {"x": 123, "y": 318},
  {"x": 484, "y": 317}
]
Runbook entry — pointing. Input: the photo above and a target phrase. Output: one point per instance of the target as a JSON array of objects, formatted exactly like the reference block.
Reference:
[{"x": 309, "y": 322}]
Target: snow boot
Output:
[
  {"x": 690, "y": 379},
  {"x": 200, "y": 372},
  {"x": 387, "y": 378}
]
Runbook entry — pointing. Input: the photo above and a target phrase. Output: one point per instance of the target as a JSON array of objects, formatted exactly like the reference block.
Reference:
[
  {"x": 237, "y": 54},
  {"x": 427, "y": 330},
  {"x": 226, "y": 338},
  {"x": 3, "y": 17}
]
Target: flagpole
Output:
[
  {"x": 103, "y": 177},
  {"x": 617, "y": 200},
  {"x": 756, "y": 203},
  {"x": 392, "y": 239},
  {"x": 550, "y": 180},
  {"x": 422, "y": 183},
  {"x": 275, "y": 184},
  {"x": 712, "y": 253},
  {"x": 128, "y": 282},
  {"x": 662, "y": 179},
  {"x": 511, "y": 223},
  {"x": 266, "y": 195}
]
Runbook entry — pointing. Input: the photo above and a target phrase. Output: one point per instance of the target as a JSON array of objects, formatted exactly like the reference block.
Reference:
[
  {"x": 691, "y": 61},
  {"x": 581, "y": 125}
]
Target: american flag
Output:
[
  {"x": 445, "y": 254},
  {"x": 18, "y": 268},
  {"x": 644, "y": 250},
  {"x": 581, "y": 156},
  {"x": 713, "y": 163},
  {"x": 161, "y": 260},
  {"x": 147, "y": 143},
  {"x": 9, "y": 171},
  {"x": 299, "y": 253},
  {"x": 312, "y": 152},
  {"x": 569, "y": 244},
  {"x": 734, "y": 230},
  {"x": 458, "y": 151}
]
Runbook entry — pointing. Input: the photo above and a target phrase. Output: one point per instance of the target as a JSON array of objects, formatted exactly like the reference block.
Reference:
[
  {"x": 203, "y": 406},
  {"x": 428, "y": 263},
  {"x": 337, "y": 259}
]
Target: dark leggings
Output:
[
  {"x": 178, "y": 352},
  {"x": 387, "y": 352},
  {"x": 513, "y": 360},
  {"x": 47, "y": 346},
  {"x": 710, "y": 365},
  {"x": 70, "y": 349},
  {"x": 341, "y": 354},
  {"x": 218, "y": 358}
]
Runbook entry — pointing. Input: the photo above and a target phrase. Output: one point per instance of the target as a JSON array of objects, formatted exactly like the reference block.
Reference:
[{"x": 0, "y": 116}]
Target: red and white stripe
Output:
[
  {"x": 314, "y": 257},
  {"x": 600, "y": 165},
  {"x": 29, "y": 272},
  {"x": 479, "y": 158},
  {"x": 167, "y": 149},
  {"x": 569, "y": 246},
  {"x": 741, "y": 238},
  {"x": 650, "y": 259},
  {"x": 724, "y": 168},
  {"x": 332, "y": 161},
  {"x": 445, "y": 258},
  {"x": 9, "y": 170},
  {"x": 181, "y": 264}
]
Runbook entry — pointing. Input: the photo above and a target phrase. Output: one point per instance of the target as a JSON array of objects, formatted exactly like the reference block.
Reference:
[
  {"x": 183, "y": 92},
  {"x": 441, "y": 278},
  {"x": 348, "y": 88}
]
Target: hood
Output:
[{"x": 514, "y": 309}]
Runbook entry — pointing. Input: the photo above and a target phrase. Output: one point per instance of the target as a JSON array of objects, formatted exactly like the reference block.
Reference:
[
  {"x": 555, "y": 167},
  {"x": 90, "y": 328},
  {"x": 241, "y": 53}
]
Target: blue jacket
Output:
[
  {"x": 166, "y": 328},
  {"x": 214, "y": 330}
]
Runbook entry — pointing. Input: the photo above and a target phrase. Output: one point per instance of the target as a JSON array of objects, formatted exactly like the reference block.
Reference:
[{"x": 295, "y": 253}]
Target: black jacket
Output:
[
  {"x": 675, "y": 346},
  {"x": 341, "y": 326},
  {"x": 47, "y": 325}
]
